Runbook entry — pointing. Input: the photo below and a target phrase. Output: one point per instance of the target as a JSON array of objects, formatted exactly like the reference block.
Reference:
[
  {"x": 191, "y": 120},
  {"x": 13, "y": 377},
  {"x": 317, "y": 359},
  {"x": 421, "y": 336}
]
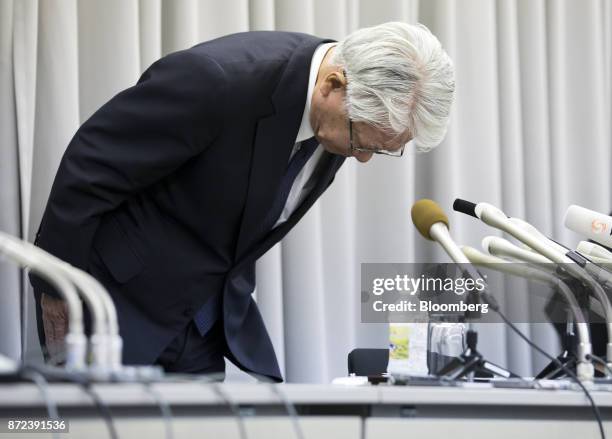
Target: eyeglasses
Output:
[{"x": 372, "y": 150}]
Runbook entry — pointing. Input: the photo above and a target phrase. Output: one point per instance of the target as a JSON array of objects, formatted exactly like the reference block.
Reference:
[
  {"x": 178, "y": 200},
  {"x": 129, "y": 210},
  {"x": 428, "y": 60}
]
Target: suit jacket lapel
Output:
[
  {"x": 268, "y": 164},
  {"x": 274, "y": 140}
]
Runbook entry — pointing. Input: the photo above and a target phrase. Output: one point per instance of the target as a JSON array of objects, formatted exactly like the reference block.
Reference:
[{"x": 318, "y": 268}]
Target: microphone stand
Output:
[
  {"x": 471, "y": 362},
  {"x": 567, "y": 357},
  {"x": 569, "y": 340}
]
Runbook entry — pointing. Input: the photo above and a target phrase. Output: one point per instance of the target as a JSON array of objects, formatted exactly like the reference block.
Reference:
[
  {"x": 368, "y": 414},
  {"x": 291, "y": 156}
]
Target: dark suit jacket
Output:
[{"x": 168, "y": 184}]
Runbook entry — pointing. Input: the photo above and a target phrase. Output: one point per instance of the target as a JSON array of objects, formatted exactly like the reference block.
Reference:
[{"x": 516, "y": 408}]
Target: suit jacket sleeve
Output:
[{"x": 136, "y": 139}]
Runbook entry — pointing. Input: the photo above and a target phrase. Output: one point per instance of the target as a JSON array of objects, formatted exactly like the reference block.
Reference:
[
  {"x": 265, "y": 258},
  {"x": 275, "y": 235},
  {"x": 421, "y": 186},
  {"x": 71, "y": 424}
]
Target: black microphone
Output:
[{"x": 464, "y": 206}]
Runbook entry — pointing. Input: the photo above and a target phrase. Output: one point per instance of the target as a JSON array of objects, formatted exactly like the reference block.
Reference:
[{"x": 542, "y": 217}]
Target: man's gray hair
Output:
[{"x": 399, "y": 78}]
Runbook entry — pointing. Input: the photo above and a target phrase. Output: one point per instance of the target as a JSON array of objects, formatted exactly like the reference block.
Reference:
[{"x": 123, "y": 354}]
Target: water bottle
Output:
[
  {"x": 446, "y": 341},
  {"x": 408, "y": 349}
]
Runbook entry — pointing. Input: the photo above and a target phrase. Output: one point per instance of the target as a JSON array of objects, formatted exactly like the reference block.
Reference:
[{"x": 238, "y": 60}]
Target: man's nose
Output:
[{"x": 363, "y": 156}]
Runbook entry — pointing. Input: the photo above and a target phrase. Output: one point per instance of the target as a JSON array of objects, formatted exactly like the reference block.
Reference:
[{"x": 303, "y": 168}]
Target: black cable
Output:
[
  {"x": 290, "y": 408},
  {"x": 102, "y": 408},
  {"x": 214, "y": 379},
  {"x": 565, "y": 369},
  {"x": 85, "y": 384},
  {"x": 43, "y": 385},
  {"x": 232, "y": 406},
  {"x": 163, "y": 405}
]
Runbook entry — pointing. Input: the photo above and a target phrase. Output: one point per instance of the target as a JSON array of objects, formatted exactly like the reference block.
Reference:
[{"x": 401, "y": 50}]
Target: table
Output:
[{"x": 326, "y": 411}]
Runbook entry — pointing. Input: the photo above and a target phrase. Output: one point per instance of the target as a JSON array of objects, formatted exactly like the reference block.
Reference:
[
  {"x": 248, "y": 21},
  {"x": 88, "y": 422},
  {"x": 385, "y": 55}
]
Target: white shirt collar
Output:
[{"x": 305, "y": 131}]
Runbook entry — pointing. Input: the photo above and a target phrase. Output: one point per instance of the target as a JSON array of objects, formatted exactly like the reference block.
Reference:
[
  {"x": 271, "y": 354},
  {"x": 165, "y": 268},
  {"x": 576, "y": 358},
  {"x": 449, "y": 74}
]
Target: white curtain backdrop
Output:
[{"x": 531, "y": 133}]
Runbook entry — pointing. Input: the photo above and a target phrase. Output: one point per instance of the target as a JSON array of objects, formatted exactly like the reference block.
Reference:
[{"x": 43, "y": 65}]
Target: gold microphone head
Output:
[{"x": 425, "y": 213}]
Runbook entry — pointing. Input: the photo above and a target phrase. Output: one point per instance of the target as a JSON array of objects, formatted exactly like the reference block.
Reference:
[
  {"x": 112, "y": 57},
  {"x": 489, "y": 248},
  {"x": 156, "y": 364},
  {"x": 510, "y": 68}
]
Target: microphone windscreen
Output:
[
  {"x": 465, "y": 206},
  {"x": 594, "y": 225},
  {"x": 425, "y": 213}
]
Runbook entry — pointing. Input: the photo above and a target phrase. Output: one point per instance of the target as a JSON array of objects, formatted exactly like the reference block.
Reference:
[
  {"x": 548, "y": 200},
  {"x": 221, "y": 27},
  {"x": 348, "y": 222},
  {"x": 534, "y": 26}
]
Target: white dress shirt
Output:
[{"x": 298, "y": 191}]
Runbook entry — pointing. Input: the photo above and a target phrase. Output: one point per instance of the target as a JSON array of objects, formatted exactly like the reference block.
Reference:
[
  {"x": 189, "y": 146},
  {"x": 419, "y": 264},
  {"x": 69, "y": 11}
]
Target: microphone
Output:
[
  {"x": 517, "y": 269},
  {"x": 584, "y": 369},
  {"x": 593, "y": 225},
  {"x": 593, "y": 265},
  {"x": 536, "y": 233},
  {"x": 592, "y": 249},
  {"x": 601, "y": 262},
  {"x": 501, "y": 247},
  {"x": 76, "y": 342},
  {"x": 431, "y": 222},
  {"x": 494, "y": 217}
]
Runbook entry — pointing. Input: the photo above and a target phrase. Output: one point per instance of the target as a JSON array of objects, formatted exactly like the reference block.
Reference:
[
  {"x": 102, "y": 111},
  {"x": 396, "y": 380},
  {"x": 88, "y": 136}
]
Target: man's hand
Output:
[{"x": 55, "y": 323}]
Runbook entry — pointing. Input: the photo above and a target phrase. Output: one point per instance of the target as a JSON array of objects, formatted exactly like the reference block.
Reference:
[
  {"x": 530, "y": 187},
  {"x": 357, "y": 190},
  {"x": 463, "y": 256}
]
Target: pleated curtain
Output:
[{"x": 530, "y": 132}]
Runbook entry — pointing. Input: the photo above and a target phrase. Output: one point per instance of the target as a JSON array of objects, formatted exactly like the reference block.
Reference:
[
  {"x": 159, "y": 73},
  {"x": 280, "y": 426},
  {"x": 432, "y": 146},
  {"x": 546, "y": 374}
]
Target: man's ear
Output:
[{"x": 333, "y": 81}]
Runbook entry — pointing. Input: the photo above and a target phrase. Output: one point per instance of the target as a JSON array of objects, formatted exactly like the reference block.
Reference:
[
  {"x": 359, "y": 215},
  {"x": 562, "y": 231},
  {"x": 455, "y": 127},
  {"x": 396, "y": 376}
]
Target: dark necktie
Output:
[
  {"x": 297, "y": 162},
  {"x": 209, "y": 313}
]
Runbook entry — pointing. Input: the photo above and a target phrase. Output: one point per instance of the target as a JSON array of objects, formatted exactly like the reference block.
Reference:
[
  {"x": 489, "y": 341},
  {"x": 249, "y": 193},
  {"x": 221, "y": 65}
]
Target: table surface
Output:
[{"x": 16, "y": 395}]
